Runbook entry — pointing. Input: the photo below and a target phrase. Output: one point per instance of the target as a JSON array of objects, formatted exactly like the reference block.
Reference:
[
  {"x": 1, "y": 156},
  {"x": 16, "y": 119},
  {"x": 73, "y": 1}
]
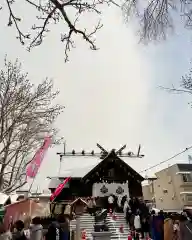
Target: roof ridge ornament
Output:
[{"x": 103, "y": 154}]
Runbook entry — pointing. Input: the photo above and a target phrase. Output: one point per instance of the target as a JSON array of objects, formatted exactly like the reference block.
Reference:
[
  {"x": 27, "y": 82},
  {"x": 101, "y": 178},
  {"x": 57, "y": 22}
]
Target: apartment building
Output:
[{"x": 172, "y": 190}]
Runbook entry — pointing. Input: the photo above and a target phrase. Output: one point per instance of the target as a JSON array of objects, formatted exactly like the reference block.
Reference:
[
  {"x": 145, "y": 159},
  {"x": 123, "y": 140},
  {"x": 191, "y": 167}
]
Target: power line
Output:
[{"x": 174, "y": 156}]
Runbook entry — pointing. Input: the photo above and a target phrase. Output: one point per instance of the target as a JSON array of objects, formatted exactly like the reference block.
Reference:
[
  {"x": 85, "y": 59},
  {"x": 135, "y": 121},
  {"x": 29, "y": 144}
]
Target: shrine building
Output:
[{"x": 97, "y": 177}]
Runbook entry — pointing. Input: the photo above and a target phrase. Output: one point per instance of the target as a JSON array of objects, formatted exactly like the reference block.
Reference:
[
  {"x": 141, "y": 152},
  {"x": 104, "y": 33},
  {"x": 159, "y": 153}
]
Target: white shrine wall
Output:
[{"x": 112, "y": 188}]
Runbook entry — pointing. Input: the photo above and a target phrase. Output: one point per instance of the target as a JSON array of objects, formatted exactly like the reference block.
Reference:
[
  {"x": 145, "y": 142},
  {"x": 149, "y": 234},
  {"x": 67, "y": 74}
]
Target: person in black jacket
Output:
[
  {"x": 145, "y": 227},
  {"x": 54, "y": 231},
  {"x": 19, "y": 233}
]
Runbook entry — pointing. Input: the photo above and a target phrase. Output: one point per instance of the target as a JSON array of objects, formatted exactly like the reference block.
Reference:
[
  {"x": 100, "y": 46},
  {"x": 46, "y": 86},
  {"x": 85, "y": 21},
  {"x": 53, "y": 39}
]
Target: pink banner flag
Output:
[
  {"x": 59, "y": 189},
  {"x": 34, "y": 165}
]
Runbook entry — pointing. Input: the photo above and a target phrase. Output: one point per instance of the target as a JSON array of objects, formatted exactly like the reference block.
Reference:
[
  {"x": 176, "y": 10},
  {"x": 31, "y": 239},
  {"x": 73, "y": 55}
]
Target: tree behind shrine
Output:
[{"x": 27, "y": 115}]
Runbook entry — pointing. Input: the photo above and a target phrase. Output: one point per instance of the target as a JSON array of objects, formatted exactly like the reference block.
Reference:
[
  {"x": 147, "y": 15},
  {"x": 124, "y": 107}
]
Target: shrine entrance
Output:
[
  {"x": 110, "y": 176},
  {"x": 106, "y": 189},
  {"x": 113, "y": 176}
]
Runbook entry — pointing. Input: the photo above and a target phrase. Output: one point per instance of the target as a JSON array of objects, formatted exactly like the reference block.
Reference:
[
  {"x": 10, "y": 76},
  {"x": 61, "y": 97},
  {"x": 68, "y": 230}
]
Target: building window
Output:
[
  {"x": 189, "y": 197},
  {"x": 187, "y": 177}
]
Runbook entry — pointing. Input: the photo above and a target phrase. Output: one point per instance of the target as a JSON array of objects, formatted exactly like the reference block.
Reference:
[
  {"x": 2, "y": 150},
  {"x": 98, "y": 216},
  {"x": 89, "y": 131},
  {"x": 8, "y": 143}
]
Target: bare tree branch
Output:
[
  {"x": 156, "y": 17},
  {"x": 53, "y": 12},
  {"x": 26, "y": 117},
  {"x": 185, "y": 86}
]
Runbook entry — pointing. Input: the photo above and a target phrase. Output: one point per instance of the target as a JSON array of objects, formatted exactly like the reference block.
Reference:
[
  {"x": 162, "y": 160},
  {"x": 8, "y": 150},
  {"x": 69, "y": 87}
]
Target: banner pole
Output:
[
  {"x": 36, "y": 166},
  {"x": 31, "y": 185}
]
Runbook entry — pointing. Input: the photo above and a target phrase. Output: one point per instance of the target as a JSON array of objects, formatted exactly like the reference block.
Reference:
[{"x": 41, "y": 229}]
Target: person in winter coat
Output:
[
  {"x": 90, "y": 206},
  {"x": 125, "y": 207},
  {"x": 19, "y": 231},
  {"x": 137, "y": 222},
  {"x": 137, "y": 225},
  {"x": 64, "y": 225},
  {"x": 111, "y": 203},
  {"x": 36, "y": 229},
  {"x": 5, "y": 235},
  {"x": 145, "y": 227},
  {"x": 54, "y": 231},
  {"x": 27, "y": 224}
]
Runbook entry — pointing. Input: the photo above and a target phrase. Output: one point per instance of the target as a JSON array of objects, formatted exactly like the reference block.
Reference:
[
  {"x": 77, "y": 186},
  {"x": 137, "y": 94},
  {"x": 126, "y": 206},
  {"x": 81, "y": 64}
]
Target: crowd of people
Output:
[
  {"x": 142, "y": 222},
  {"x": 137, "y": 215},
  {"x": 140, "y": 219},
  {"x": 24, "y": 230},
  {"x": 146, "y": 223}
]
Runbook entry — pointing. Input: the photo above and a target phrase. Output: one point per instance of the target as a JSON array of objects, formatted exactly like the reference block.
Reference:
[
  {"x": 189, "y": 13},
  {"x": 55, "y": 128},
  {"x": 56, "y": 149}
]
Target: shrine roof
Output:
[
  {"x": 77, "y": 172},
  {"x": 110, "y": 157},
  {"x": 78, "y": 167}
]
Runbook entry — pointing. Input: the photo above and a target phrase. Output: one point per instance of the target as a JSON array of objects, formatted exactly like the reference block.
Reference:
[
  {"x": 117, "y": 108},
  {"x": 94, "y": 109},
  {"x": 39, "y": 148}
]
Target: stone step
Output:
[
  {"x": 118, "y": 225},
  {"x": 83, "y": 225},
  {"x": 115, "y": 229},
  {"x": 87, "y": 221},
  {"x": 115, "y": 232},
  {"x": 115, "y": 225}
]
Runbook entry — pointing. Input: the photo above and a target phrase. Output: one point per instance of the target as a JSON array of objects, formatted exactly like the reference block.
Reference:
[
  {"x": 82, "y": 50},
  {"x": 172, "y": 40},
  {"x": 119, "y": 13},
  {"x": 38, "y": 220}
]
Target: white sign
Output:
[{"x": 105, "y": 189}]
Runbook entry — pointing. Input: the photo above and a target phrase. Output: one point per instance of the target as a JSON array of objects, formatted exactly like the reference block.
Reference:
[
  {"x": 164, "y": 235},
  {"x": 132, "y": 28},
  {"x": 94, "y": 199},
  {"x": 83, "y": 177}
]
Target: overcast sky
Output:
[{"x": 112, "y": 95}]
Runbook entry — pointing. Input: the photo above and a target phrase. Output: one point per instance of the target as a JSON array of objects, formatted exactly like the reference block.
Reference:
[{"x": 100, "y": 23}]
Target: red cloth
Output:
[
  {"x": 34, "y": 165},
  {"x": 59, "y": 189}
]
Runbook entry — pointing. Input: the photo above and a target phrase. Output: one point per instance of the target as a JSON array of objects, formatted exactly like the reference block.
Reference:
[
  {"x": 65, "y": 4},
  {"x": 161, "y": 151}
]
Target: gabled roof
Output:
[
  {"x": 80, "y": 167},
  {"x": 112, "y": 155},
  {"x": 77, "y": 172},
  {"x": 76, "y": 167}
]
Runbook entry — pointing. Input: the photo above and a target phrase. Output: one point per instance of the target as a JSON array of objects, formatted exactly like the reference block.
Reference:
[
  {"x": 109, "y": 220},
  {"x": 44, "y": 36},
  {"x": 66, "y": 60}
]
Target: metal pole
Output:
[
  {"x": 29, "y": 191},
  {"x": 60, "y": 165},
  {"x": 61, "y": 155}
]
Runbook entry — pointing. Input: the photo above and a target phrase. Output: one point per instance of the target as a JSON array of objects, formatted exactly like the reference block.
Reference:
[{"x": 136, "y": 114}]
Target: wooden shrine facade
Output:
[
  {"x": 114, "y": 170},
  {"x": 110, "y": 170}
]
